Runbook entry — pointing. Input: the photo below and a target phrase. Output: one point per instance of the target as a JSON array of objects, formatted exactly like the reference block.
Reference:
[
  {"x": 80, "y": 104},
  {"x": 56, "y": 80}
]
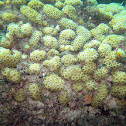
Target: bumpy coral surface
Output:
[
  {"x": 54, "y": 82},
  {"x": 62, "y": 63}
]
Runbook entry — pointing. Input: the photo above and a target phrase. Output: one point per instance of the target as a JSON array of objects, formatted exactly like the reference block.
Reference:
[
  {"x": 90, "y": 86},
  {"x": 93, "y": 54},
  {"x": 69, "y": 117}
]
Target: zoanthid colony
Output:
[
  {"x": 31, "y": 14},
  {"x": 110, "y": 60},
  {"x": 34, "y": 91},
  {"x": 53, "y": 64},
  {"x": 72, "y": 72},
  {"x": 34, "y": 68},
  {"x": 118, "y": 21},
  {"x": 35, "y": 4},
  {"x": 87, "y": 55},
  {"x": 77, "y": 87},
  {"x": 11, "y": 75},
  {"x": 59, "y": 4},
  {"x": 100, "y": 95},
  {"x": 8, "y": 17},
  {"x": 104, "y": 49},
  {"x": 26, "y": 29},
  {"x": 113, "y": 40},
  {"x": 89, "y": 68},
  {"x": 50, "y": 41},
  {"x": 101, "y": 73},
  {"x": 51, "y": 53},
  {"x": 52, "y": 11},
  {"x": 67, "y": 34},
  {"x": 53, "y": 82},
  {"x": 118, "y": 91},
  {"x": 60, "y": 57},
  {"x": 63, "y": 98},
  {"x": 68, "y": 59},
  {"x": 108, "y": 10},
  {"x": 20, "y": 95},
  {"x": 37, "y": 55},
  {"x": 66, "y": 23},
  {"x": 73, "y": 2},
  {"x": 120, "y": 53},
  {"x": 9, "y": 58},
  {"x": 119, "y": 77},
  {"x": 33, "y": 41},
  {"x": 99, "y": 32},
  {"x": 19, "y": 2},
  {"x": 92, "y": 44},
  {"x": 70, "y": 11},
  {"x": 90, "y": 85}
]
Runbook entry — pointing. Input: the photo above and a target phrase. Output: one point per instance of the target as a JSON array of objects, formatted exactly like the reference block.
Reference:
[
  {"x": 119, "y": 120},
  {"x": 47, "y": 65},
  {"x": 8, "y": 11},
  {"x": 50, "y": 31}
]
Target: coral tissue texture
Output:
[{"x": 62, "y": 63}]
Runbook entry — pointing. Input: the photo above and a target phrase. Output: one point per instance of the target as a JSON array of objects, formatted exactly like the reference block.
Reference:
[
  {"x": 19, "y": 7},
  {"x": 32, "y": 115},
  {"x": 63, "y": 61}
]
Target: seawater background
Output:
[{"x": 111, "y": 1}]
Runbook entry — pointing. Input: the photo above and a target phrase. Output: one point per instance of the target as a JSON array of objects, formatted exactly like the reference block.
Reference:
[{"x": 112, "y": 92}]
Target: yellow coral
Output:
[
  {"x": 82, "y": 31},
  {"x": 8, "y": 17},
  {"x": 12, "y": 75},
  {"x": 72, "y": 72},
  {"x": 6, "y": 43},
  {"x": 113, "y": 40},
  {"x": 120, "y": 53},
  {"x": 68, "y": 59},
  {"x": 51, "y": 53},
  {"x": 77, "y": 87},
  {"x": 119, "y": 77},
  {"x": 50, "y": 41},
  {"x": 89, "y": 68},
  {"x": 66, "y": 48},
  {"x": 85, "y": 77},
  {"x": 34, "y": 68},
  {"x": 104, "y": 49},
  {"x": 66, "y": 23},
  {"x": 48, "y": 30},
  {"x": 53, "y": 82},
  {"x": 83, "y": 35},
  {"x": 31, "y": 14},
  {"x": 14, "y": 29},
  {"x": 99, "y": 31},
  {"x": 92, "y": 44},
  {"x": 53, "y": 64},
  {"x": 35, "y": 4},
  {"x": 90, "y": 85},
  {"x": 19, "y": 2},
  {"x": 101, "y": 73},
  {"x": 73, "y": 2},
  {"x": 9, "y": 58},
  {"x": 20, "y": 95},
  {"x": 110, "y": 60},
  {"x": 100, "y": 95},
  {"x": 59, "y": 4},
  {"x": 118, "y": 21},
  {"x": 52, "y": 11},
  {"x": 70, "y": 11},
  {"x": 92, "y": 2},
  {"x": 67, "y": 34},
  {"x": 26, "y": 29},
  {"x": 34, "y": 91},
  {"x": 63, "y": 98},
  {"x": 37, "y": 55},
  {"x": 35, "y": 38},
  {"x": 88, "y": 55},
  {"x": 108, "y": 10},
  {"x": 119, "y": 91}
]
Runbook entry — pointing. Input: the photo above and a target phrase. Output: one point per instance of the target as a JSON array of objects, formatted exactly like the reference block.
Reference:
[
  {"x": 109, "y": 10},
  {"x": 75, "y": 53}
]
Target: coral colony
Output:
[{"x": 62, "y": 62}]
